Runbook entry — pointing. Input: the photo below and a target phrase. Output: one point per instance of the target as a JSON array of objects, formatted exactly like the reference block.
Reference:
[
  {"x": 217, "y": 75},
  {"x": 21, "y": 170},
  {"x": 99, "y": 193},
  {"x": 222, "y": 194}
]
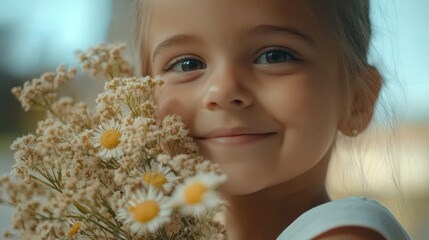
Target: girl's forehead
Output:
[
  {"x": 232, "y": 22},
  {"x": 230, "y": 14}
]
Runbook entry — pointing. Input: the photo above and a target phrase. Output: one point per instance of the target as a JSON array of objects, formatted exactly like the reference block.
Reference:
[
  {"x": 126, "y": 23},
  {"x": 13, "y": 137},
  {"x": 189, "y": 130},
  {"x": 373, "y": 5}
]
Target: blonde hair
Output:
[
  {"x": 348, "y": 24},
  {"x": 142, "y": 22}
]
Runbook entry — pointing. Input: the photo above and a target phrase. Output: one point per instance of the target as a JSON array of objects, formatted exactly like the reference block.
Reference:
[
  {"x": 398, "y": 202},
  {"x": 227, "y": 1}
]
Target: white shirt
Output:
[{"x": 353, "y": 211}]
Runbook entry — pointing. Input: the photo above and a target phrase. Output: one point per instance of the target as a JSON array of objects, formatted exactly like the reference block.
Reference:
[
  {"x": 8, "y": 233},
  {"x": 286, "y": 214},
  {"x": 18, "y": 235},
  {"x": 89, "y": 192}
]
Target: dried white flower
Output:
[
  {"x": 146, "y": 211},
  {"x": 107, "y": 139},
  {"x": 197, "y": 194},
  {"x": 160, "y": 177}
]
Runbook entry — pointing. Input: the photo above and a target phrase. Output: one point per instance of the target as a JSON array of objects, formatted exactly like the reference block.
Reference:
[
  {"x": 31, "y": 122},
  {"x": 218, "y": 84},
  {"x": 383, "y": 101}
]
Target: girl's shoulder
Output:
[{"x": 352, "y": 211}]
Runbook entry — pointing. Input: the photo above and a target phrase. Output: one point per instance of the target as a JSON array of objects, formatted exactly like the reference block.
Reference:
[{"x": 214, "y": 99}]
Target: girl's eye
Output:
[
  {"x": 185, "y": 65},
  {"x": 273, "y": 56}
]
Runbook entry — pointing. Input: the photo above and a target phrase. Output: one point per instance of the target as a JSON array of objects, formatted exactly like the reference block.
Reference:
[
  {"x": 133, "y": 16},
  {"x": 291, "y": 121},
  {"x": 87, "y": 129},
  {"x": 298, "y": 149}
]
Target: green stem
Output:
[{"x": 102, "y": 219}]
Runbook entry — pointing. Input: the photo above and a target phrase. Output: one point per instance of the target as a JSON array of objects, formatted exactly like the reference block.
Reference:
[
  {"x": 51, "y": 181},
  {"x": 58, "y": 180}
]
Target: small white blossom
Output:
[
  {"x": 146, "y": 212},
  {"x": 107, "y": 139},
  {"x": 197, "y": 194},
  {"x": 159, "y": 176}
]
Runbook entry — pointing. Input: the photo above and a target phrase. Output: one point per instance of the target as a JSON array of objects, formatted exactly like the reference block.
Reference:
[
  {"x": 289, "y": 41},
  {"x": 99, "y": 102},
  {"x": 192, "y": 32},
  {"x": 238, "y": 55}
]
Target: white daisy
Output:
[
  {"x": 197, "y": 194},
  {"x": 146, "y": 211},
  {"x": 107, "y": 138},
  {"x": 159, "y": 176}
]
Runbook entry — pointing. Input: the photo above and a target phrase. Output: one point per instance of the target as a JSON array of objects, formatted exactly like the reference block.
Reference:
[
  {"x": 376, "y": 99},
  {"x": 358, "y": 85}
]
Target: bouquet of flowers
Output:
[{"x": 113, "y": 172}]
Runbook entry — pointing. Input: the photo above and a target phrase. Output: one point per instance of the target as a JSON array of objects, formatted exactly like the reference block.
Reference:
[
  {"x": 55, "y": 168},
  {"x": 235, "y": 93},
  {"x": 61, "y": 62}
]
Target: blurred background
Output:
[{"x": 37, "y": 36}]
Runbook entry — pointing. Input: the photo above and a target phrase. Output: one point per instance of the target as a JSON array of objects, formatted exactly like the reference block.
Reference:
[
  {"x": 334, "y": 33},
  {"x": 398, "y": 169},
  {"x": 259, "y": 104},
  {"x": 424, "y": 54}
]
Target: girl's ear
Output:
[{"x": 365, "y": 95}]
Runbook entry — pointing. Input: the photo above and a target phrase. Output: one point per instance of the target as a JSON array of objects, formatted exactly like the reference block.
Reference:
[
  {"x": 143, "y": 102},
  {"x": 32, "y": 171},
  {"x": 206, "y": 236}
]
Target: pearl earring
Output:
[{"x": 354, "y": 132}]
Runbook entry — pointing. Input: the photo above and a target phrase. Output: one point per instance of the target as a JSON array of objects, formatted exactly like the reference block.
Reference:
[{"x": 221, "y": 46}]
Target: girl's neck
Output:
[{"x": 266, "y": 213}]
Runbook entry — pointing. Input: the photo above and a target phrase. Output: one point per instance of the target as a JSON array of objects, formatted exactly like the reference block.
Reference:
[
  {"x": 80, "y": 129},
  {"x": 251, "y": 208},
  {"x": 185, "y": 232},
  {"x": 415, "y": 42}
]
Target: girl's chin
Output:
[
  {"x": 239, "y": 187},
  {"x": 243, "y": 179}
]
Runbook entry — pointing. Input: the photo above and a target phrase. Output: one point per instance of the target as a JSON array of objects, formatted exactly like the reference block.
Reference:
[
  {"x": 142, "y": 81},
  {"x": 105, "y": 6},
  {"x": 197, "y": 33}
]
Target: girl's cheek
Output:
[
  {"x": 163, "y": 102},
  {"x": 170, "y": 100}
]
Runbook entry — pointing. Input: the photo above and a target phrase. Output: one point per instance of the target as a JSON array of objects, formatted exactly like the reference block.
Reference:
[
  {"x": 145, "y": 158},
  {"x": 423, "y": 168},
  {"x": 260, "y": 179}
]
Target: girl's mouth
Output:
[{"x": 233, "y": 136}]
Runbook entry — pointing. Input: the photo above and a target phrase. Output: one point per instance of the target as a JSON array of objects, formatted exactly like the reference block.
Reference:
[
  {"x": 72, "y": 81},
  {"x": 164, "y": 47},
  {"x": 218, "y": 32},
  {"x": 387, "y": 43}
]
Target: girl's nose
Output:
[{"x": 226, "y": 91}]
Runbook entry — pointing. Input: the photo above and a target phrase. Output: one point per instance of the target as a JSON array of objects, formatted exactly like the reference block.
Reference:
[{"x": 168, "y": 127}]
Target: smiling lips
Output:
[{"x": 233, "y": 136}]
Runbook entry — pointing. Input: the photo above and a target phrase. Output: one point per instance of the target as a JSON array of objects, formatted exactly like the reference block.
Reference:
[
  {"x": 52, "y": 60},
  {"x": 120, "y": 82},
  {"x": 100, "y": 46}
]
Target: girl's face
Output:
[{"x": 257, "y": 83}]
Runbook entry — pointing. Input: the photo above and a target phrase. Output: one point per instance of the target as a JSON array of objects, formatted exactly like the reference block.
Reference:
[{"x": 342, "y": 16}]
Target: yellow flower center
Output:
[
  {"x": 155, "y": 179},
  {"x": 74, "y": 229},
  {"x": 194, "y": 193},
  {"x": 145, "y": 211},
  {"x": 110, "y": 138}
]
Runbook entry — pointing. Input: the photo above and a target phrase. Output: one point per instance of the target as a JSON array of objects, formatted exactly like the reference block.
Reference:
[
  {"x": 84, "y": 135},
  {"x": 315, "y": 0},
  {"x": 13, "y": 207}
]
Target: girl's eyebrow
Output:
[
  {"x": 174, "y": 40},
  {"x": 259, "y": 30},
  {"x": 275, "y": 29}
]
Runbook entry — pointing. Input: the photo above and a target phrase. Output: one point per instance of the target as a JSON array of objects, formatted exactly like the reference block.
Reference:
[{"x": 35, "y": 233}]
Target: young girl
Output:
[{"x": 265, "y": 87}]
